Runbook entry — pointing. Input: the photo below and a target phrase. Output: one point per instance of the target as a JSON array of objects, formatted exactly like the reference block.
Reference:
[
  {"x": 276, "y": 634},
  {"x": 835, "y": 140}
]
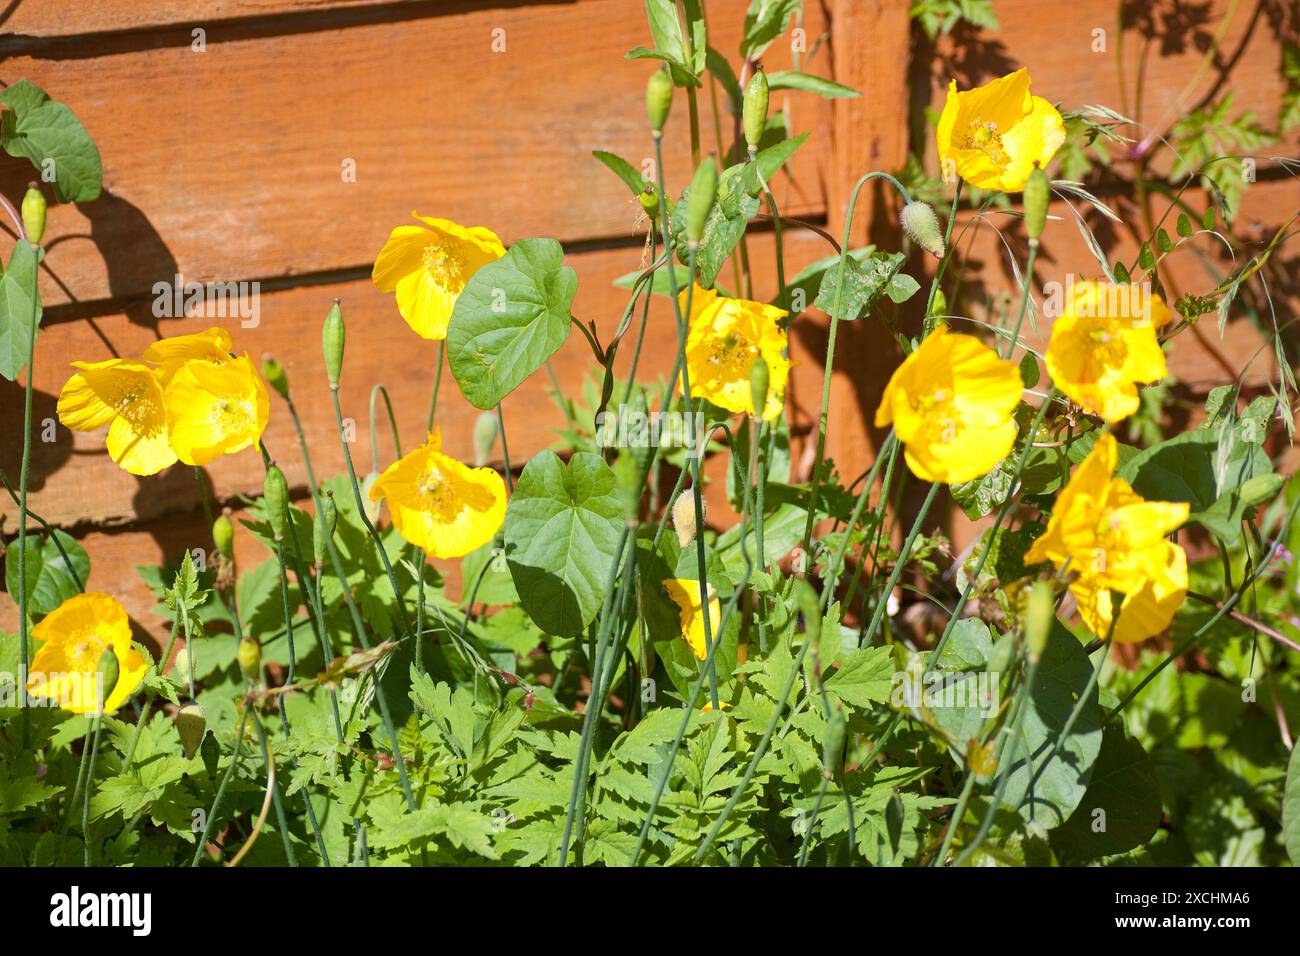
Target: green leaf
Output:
[
  {"x": 1059, "y": 784},
  {"x": 864, "y": 284},
  {"x": 623, "y": 170},
  {"x": 764, "y": 22},
  {"x": 20, "y": 309},
  {"x": 45, "y": 131},
  {"x": 1291, "y": 809},
  {"x": 864, "y": 677},
  {"x": 1184, "y": 225},
  {"x": 51, "y": 580},
  {"x": 511, "y": 317},
  {"x": 1121, "y": 807},
  {"x": 1029, "y": 370},
  {"x": 562, "y": 531},
  {"x": 796, "y": 80}
]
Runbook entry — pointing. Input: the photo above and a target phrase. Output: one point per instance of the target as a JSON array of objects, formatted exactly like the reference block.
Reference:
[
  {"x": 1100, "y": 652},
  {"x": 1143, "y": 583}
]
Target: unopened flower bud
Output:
[
  {"x": 192, "y": 725},
  {"x": 940, "y": 304},
  {"x": 1040, "y": 611},
  {"x": 372, "y": 507},
  {"x": 704, "y": 188},
  {"x": 34, "y": 214},
  {"x": 684, "y": 516},
  {"x": 922, "y": 225},
  {"x": 275, "y": 490},
  {"x": 759, "y": 378},
  {"x": 754, "y": 109},
  {"x": 650, "y": 202},
  {"x": 1037, "y": 192},
  {"x": 223, "y": 535},
  {"x": 106, "y": 673},
  {"x": 275, "y": 375},
  {"x": 210, "y": 751},
  {"x": 249, "y": 656},
  {"x": 332, "y": 339},
  {"x": 658, "y": 98},
  {"x": 327, "y": 517},
  {"x": 485, "y": 436}
]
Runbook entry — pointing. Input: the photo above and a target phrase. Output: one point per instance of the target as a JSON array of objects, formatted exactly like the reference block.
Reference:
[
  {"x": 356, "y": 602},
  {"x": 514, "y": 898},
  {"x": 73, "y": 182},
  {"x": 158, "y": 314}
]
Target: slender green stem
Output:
[
  {"x": 437, "y": 383},
  {"x": 1026, "y": 287},
  {"x": 98, "y": 721},
  {"x": 211, "y": 818},
  {"x": 375, "y": 392},
  {"x": 148, "y": 701},
  {"x": 24, "y": 660},
  {"x": 280, "y": 816}
]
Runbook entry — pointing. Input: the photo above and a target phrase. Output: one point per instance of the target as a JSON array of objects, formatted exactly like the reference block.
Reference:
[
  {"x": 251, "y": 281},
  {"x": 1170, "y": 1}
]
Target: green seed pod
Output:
[
  {"x": 485, "y": 436},
  {"x": 1040, "y": 611},
  {"x": 920, "y": 222},
  {"x": 754, "y": 109},
  {"x": 650, "y": 202},
  {"x": 275, "y": 489},
  {"x": 704, "y": 187},
  {"x": 249, "y": 656},
  {"x": 658, "y": 98},
  {"x": 210, "y": 750},
  {"x": 223, "y": 535},
  {"x": 327, "y": 519},
  {"x": 106, "y": 674},
  {"x": 192, "y": 725},
  {"x": 34, "y": 214},
  {"x": 275, "y": 375},
  {"x": 759, "y": 378},
  {"x": 332, "y": 338},
  {"x": 1037, "y": 192}
]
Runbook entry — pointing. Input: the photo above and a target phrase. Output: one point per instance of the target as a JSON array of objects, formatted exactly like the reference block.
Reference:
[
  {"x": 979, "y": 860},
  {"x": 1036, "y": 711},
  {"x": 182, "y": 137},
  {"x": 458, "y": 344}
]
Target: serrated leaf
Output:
[
  {"x": 864, "y": 677},
  {"x": 865, "y": 282}
]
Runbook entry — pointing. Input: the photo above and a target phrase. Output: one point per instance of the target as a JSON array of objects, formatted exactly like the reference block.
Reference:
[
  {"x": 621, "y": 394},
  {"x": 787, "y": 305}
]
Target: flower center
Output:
[
  {"x": 235, "y": 415},
  {"x": 85, "y": 653},
  {"x": 443, "y": 266},
  {"x": 984, "y": 136}
]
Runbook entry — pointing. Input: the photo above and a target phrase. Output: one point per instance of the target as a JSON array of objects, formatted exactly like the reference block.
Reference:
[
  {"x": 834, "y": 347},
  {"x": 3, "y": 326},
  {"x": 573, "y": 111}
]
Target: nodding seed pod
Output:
[
  {"x": 1037, "y": 192},
  {"x": 223, "y": 535},
  {"x": 658, "y": 98},
  {"x": 34, "y": 214},
  {"x": 275, "y": 489},
  {"x": 704, "y": 188},
  {"x": 106, "y": 674},
  {"x": 327, "y": 517},
  {"x": 684, "y": 516},
  {"x": 210, "y": 750},
  {"x": 759, "y": 379},
  {"x": 249, "y": 656},
  {"x": 1039, "y": 613},
  {"x": 275, "y": 375},
  {"x": 754, "y": 109},
  {"x": 485, "y": 436},
  {"x": 920, "y": 222},
  {"x": 650, "y": 202},
  {"x": 332, "y": 341},
  {"x": 192, "y": 724}
]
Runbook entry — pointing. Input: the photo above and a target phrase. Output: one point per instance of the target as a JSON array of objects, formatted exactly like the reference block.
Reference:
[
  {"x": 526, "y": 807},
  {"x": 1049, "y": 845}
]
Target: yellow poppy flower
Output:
[
  {"x": 685, "y": 593},
  {"x": 75, "y": 636},
  {"x": 724, "y": 338},
  {"x": 428, "y": 266},
  {"x": 127, "y": 397},
  {"x": 951, "y": 405},
  {"x": 215, "y": 410},
  {"x": 1104, "y": 344},
  {"x": 1113, "y": 539},
  {"x": 212, "y": 345},
  {"x": 993, "y": 135},
  {"x": 440, "y": 504}
]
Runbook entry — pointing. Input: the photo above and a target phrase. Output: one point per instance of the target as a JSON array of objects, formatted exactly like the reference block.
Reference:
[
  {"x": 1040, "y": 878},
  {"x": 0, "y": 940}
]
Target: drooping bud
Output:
[
  {"x": 192, "y": 725},
  {"x": 332, "y": 340},
  {"x": 684, "y": 516},
  {"x": 922, "y": 225},
  {"x": 34, "y": 214},
  {"x": 249, "y": 656},
  {"x": 650, "y": 202},
  {"x": 327, "y": 517},
  {"x": 106, "y": 674},
  {"x": 275, "y": 375},
  {"x": 754, "y": 110},
  {"x": 658, "y": 98},
  {"x": 223, "y": 535},
  {"x": 1039, "y": 613},
  {"x": 759, "y": 378},
  {"x": 485, "y": 436},
  {"x": 1037, "y": 192},
  {"x": 275, "y": 489},
  {"x": 704, "y": 188},
  {"x": 210, "y": 750}
]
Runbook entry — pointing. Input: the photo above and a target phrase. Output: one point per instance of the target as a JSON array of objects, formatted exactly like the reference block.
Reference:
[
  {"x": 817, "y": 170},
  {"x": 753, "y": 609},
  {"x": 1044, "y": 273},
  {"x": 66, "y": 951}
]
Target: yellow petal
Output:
[
  {"x": 685, "y": 593},
  {"x": 215, "y": 410}
]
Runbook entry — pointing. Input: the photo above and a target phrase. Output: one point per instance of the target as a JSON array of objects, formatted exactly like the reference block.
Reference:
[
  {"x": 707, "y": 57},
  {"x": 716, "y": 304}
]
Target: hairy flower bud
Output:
[
  {"x": 704, "y": 188},
  {"x": 1037, "y": 192},
  {"x": 684, "y": 516},
  {"x": 192, "y": 725},
  {"x": 34, "y": 214},
  {"x": 249, "y": 656},
  {"x": 275, "y": 375},
  {"x": 658, "y": 98},
  {"x": 223, "y": 535},
  {"x": 107, "y": 672},
  {"x": 650, "y": 202},
  {"x": 922, "y": 225},
  {"x": 485, "y": 436},
  {"x": 332, "y": 340},
  {"x": 275, "y": 489},
  {"x": 754, "y": 109},
  {"x": 759, "y": 378}
]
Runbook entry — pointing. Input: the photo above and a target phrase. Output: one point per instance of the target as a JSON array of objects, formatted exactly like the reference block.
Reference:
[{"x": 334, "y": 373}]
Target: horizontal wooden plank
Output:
[
  {"x": 229, "y": 164},
  {"x": 57, "y": 18},
  {"x": 74, "y": 482}
]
